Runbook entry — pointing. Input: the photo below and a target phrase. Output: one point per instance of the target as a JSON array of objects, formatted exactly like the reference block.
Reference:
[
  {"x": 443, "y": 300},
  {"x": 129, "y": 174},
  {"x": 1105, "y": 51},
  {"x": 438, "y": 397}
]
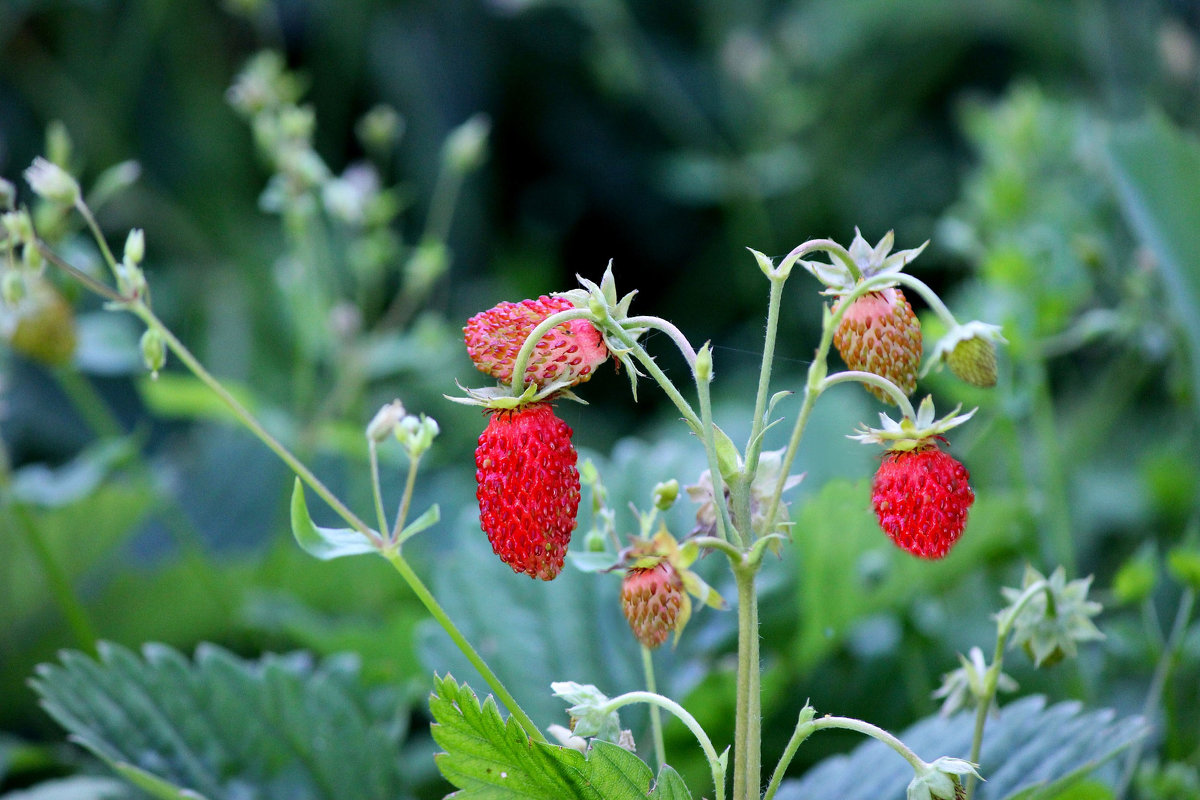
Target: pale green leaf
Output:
[
  {"x": 327, "y": 543},
  {"x": 430, "y": 518}
]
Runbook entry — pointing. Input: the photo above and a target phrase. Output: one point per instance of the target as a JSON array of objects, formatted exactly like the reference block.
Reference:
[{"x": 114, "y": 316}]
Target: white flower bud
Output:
[
  {"x": 154, "y": 350},
  {"x": 135, "y": 246},
  {"x": 52, "y": 182},
  {"x": 385, "y": 421},
  {"x": 466, "y": 146}
]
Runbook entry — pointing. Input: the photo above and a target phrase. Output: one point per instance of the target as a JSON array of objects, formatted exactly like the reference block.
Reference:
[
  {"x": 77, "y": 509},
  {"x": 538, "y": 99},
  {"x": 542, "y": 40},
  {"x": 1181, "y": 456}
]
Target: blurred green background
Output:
[{"x": 323, "y": 263}]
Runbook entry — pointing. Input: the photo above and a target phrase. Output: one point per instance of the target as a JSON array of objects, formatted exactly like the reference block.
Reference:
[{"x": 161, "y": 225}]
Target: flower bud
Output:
[
  {"x": 384, "y": 423},
  {"x": 18, "y": 226},
  {"x": 704, "y": 364},
  {"x": 466, "y": 146},
  {"x": 52, "y": 182},
  {"x": 58, "y": 143},
  {"x": 380, "y": 127},
  {"x": 942, "y": 779},
  {"x": 135, "y": 246},
  {"x": 8, "y": 195},
  {"x": 12, "y": 288},
  {"x": 32, "y": 258},
  {"x": 665, "y": 494},
  {"x": 595, "y": 541},
  {"x": 154, "y": 351},
  {"x": 416, "y": 434}
]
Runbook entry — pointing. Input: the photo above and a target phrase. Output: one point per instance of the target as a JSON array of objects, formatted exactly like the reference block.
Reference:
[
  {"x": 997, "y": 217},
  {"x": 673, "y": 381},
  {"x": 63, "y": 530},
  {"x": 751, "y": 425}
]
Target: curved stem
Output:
[
  {"x": 928, "y": 294},
  {"x": 821, "y": 245},
  {"x": 545, "y": 326},
  {"x": 660, "y": 751},
  {"x": 867, "y": 729},
  {"x": 666, "y": 704},
  {"x": 97, "y": 234},
  {"x": 101, "y": 289},
  {"x": 801, "y": 732},
  {"x": 655, "y": 372},
  {"x": 870, "y": 378},
  {"x": 660, "y": 324},
  {"x": 734, "y": 552}
]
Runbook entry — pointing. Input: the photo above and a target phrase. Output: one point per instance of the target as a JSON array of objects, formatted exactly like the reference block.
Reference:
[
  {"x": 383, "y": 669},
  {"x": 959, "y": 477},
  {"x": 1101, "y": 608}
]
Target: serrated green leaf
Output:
[
  {"x": 326, "y": 543},
  {"x": 1030, "y": 752},
  {"x": 669, "y": 786},
  {"x": 222, "y": 728},
  {"x": 489, "y": 758}
]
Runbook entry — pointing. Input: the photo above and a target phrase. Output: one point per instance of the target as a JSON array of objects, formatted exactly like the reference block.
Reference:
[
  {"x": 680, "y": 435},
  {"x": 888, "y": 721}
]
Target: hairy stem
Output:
[
  {"x": 725, "y": 527},
  {"x": 666, "y": 704},
  {"x": 406, "y": 500},
  {"x": 660, "y": 750},
  {"x": 747, "y": 736},
  {"x": 754, "y": 444}
]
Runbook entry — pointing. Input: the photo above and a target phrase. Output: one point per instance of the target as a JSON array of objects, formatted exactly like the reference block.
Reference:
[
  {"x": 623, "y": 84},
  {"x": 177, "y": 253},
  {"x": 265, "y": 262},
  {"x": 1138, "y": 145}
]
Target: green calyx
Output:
[
  {"x": 909, "y": 433},
  {"x": 868, "y": 261}
]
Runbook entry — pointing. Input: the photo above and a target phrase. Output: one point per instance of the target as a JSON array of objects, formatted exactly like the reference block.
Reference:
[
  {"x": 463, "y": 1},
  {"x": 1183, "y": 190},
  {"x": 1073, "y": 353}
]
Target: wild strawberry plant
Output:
[{"x": 539, "y": 352}]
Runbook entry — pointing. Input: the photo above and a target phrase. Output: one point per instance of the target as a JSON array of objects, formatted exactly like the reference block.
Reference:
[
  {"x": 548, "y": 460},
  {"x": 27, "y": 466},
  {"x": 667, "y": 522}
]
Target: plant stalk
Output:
[
  {"x": 747, "y": 736},
  {"x": 660, "y": 750}
]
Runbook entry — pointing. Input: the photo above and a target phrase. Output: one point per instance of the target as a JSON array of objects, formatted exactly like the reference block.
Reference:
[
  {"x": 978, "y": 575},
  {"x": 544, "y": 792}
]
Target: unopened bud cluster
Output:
[{"x": 415, "y": 433}]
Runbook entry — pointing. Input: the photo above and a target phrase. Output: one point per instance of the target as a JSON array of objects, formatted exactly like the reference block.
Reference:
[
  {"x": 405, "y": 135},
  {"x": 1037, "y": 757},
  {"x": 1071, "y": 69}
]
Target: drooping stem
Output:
[
  {"x": 871, "y": 379},
  {"x": 747, "y": 735},
  {"x": 867, "y": 729},
  {"x": 801, "y": 732},
  {"x": 669, "y": 705},
  {"x": 660, "y": 751}
]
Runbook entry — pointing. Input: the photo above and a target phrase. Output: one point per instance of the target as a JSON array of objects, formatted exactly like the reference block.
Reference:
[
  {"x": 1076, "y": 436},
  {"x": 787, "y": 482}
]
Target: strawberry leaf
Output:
[
  {"x": 1030, "y": 752},
  {"x": 489, "y": 758},
  {"x": 329, "y": 543}
]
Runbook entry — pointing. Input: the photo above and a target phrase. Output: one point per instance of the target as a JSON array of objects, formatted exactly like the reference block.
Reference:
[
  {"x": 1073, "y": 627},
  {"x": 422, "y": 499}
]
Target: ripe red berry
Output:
[
  {"x": 921, "y": 498},
  {"x": 528, "y": 488},
  {"x": 568, "y": 352},
  {"x": 651, "y": 598},
  {"x": 879, "y": 333}
]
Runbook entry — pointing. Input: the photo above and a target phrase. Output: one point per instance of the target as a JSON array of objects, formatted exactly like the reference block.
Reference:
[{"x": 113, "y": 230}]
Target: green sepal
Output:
[
  {"x": 326, "y": 543},
  {"x": 729, "y": 460}
]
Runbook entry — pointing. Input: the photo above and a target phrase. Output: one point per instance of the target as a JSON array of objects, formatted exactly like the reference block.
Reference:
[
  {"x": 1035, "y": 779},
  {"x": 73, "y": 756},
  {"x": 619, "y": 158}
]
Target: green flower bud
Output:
[
  {"x": 665, "y": 494},
  {"x": 154, "y": 351},
  {"x": 12, "y": 288},
  {"x": 135, "y": 246},
  {"x": 8, "y": 195},
  {"x": 18, "y": 226},
  {"x": 380, "y": 128},
  {"x": 466, "y": 146},
  {"x": 58, "y": 143},
  {"x": 32, "y": 258},
  {"x": 384, "y": 423},
  {"x": 52, "y": 182},
  {"x": 704, "y": 365}
]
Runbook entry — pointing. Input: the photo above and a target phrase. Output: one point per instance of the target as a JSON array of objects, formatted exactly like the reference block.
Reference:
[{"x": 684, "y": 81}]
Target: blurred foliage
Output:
[{"x": 1049, "y": 151}]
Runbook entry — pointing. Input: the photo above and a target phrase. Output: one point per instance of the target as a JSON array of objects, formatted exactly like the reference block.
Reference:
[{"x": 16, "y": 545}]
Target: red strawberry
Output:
[
  {"x": 921, "y": 497},
  {"x": 569, "y": 352},
  {"x": 880, "y": 334},
  {"x": 650, "y": 598},
  {"x": 528, "y": 488}
]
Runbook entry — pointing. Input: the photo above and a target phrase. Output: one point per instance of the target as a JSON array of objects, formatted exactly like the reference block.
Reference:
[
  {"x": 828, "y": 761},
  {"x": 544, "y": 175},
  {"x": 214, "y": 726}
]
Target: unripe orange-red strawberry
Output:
[
  {"x": 651, "y": 598},
  {"x": 921, "y": 498},
  {"x": 568, "y": 353},
  {"x": 528, "y": 488},
  {"x": 879, "y": 333}
]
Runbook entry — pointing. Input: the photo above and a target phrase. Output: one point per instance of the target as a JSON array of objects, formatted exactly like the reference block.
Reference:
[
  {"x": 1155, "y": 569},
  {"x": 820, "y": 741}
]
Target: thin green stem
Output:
[
  {"x": 867, "y": 729},
  {"x": 438, "y": 613},
  {"x": 97, "y": 234},
  {"x": 754, "y": 445},
  {"x": 735, "y": 553},
  {"x": 376, "y": 491},
  {"x": 871, "y": 379},
  {"x": 821, "y": 245},
  {"x": 409, "y": 482},
  {"x": 747, "y": 737},
  {"x": 251, "y": 422},
  {"x": 660, "y": 324},
  {"x": 68, "y": 601},
  {"x": 929, "y": 296},
  {"x": 670, "y": 706},
  {"x": 660, "y": 750},
  {"x": 521, "y": 363},
  {"x": 97, "y": 287},
  {"x": 655, "y": 372},
  {"x": 801, "y": 732},
  {"x": 725, "y": 527},
  {"x": 991, "y": 678}
]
